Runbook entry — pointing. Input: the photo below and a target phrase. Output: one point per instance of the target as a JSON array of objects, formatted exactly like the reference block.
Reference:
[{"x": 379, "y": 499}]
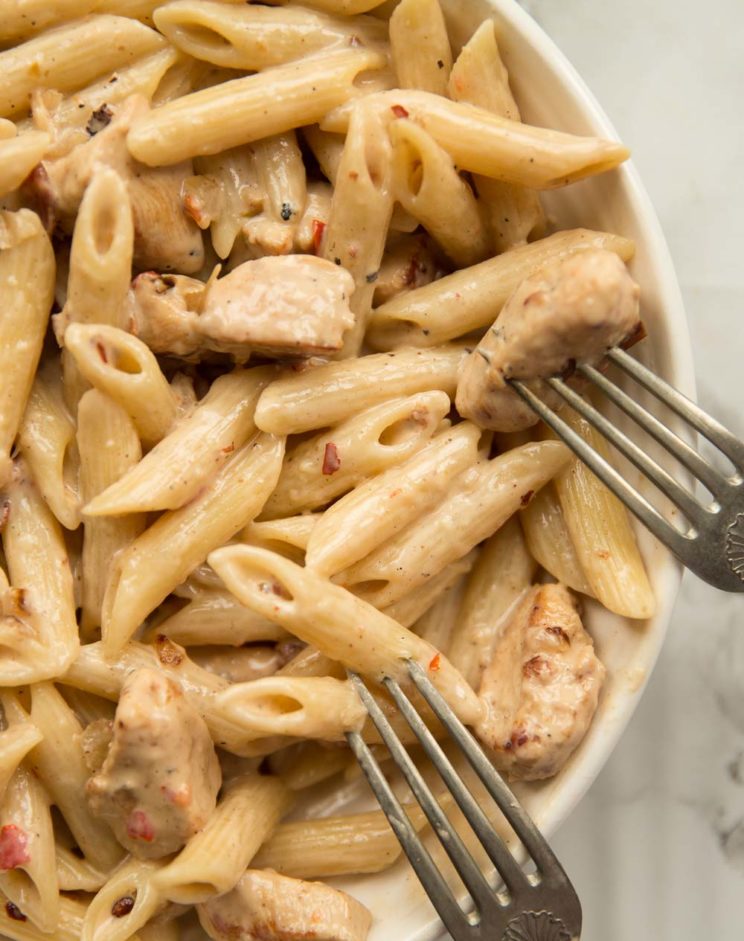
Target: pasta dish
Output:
[{"x": 267, "y": 273}]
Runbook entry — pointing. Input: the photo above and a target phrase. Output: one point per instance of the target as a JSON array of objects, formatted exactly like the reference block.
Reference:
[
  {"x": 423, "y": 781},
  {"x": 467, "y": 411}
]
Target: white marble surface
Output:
[{"x": 656, "y": 848}]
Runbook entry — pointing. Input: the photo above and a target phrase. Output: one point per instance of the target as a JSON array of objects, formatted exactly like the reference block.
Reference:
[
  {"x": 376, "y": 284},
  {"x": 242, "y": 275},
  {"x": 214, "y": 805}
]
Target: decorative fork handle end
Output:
[{"x": 537, "y": 926}]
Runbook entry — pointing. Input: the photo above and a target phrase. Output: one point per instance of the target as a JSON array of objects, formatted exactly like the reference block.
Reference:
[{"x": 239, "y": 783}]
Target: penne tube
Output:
[
  {"x": 334, "y": 846},
  {"x": 361, "y": 210},
  {"x": 420, "y": 46},
  {"x": 306, "y": 764},
  {"x": 340, "y": 625},
  {"x": 479, "y": 77},
  {"x": 343, "y": 7},
  {"x": 216, "y": 617},
  {"x": 439, "y": 624},
  {"x": 69, "y": 926},
  {"x": 602, "y": 534},
  {"x": 238, "y": 664},
  {"x": 324, "y": 395},
  {"x": 59, "y": 763},
  {"x": 184, "y": 461},
  {"x": 326, "y": 148},
  {"x": 17, "y": 738},
  {"x": 28, "y": 839},
  {"x": 332, "y": 463},
  {"x": 252, "y": 38},
  {"x": 27, "y": 269},
  {"x": 380, "y": 508},
  {"x": 294, "y": 532},
  {"x": 161, "y": 558},
  {"x": 75, "y": 874},
  {"x": 18, "y": 157},
  {"x": 25, "y": 17},
  {"x": 306, "y": 707},
  {"x": 490, "y": 145},
  {"x": 214, "y": 859},
  {"x": 248, "y": 109},
  {"x": 480, "y": 500},
  {"x": 133, "y": 880},
  {"x": 415, "y": 604},
  {"x": 108, "y": 445},
  {"x": 311, "y": 662},
  {"x": 428, "y": 186},
  {"x": 469, "y": 300},
  {"x": 39, "y": 634},
  {"x": 549, "y": 541},
  {"x": 123, "y": 367},
  {"x": 46, "y": 439},
  {"x": 224, "y": 196},
  {"x": 501, "y": 576},
  {"x": 88, "y": 707},
  {"x": 70, "y": 56}
]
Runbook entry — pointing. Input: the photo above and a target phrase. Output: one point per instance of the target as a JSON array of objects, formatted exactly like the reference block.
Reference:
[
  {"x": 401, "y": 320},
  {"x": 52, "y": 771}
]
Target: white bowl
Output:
[{"x": 551, "y": 94}]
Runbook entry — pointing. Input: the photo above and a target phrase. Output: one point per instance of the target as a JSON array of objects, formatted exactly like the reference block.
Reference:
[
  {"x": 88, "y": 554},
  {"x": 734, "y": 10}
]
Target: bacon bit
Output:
[
  {"x": 139, "y": 827},
  {"x": 13, "y": 843},
  {"x": 319, "y": 228},
  {"x": 229, "y": 449},
  {"x": 331, "y": 460},
  {"x": 526, "y": 497},
  {"x": 179, "y": 798},
  {"x": 122, "y": 906},
  {"x": 435, "y": 662},
  {"x": 169, "y": 654},
  {"x": 4, "y": 513},
  {"x": 14, "y": 912},
  {"x": 399, "y": 111},
  {"x": 102, "y": 351}
]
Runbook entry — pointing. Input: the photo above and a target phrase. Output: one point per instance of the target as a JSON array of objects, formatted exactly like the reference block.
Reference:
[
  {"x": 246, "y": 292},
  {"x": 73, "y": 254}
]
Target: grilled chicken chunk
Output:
[
  {"x": 265, "y": 906},
  {"x": 165, "y": 237},
  {"x": 541, "y": 687},
  {"x": 570, "y": 312},
  {"x": 289, "y": 305},
  {"x": 159, "y": 781}
]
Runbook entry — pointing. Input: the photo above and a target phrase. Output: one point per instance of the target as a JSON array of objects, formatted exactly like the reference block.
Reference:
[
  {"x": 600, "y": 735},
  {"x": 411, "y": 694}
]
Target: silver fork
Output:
[
  {"x": 536, "y": 906},
  {"x": 713, "y": 544}
]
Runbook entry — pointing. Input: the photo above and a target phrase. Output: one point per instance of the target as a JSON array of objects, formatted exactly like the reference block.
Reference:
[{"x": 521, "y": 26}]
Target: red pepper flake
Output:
[
  {"x": 399, "y": 111},
  {"x": 122, "y": 906},
  {"x": 139, "y": 827},
  {"x": 14, "y": 912},
  {"x": 435, "y": 662},
  {"x": 331, "y": 460},
  {"x": 13, "y": 843},
  {"x": 526, "y": 497},
  {"x": 102, "y": 352},
  {"x": 229, "y": 449},
  {"x": 319, "y": 228}
]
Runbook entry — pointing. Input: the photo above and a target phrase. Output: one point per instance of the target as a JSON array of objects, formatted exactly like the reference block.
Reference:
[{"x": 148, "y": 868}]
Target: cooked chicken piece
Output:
[
  {"x": 158, "y": 784},
  {"x": 265, "y": 906},
  {"x": 541, "y": 687},
  {"x": 569, "y": 313},
  {"x": 408, "y": 263},
  {"x": 165, "y": 237},
  {"x": 293, "y": 305}
]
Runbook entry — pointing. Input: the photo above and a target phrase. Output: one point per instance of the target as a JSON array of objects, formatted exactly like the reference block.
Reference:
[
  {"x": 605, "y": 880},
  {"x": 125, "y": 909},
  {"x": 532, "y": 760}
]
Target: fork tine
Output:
[
  {"x": 714, "y": 431},
  {"x": 520, "y": 821},
  {"x": 463, "y": 862},
  {"x": 634, "y": 501},
  {"x": 431, "y": 878},
  {"x": 686, "y": 455},
  {"x": 636, "y": 455}
]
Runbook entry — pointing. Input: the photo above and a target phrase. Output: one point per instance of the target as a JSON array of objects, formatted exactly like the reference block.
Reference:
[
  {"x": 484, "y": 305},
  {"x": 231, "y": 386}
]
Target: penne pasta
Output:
[
  {"x": 439, "y": 623},
  {"x": 420, "y": 46},
  {"x": 334, "y": 462},
  {"x": 343, "y": 7},
  {"x": 294, "y": 532},
  {"x": 17, "y": 738},
  {"x": 182, "y": 462},
  {"x": 501, "y": 576},
  {"x": 216, "y": 617},
  {"x": 415, "y": 604},
  {"x": 238, "y": 664},
  {"x": 248, "y": 109},
  {"x": 68, "y": 928},
  {"x": 602, "y": 534},
  {"x": 513, "y": 212},
  {"x": 281, "y": 180},
  {"x": 252, "y": 38},
  {"x": 380, "y": 508},
  {"x": 306, "y": 764},
  {"x": 324, "y": 395},
  {"x": 109, "y": 447},
  {"x": 480, "y": 500},
  {"x": 27, "y": 285},
  {"x": 490, "y": 145},
  {"x": 428, "y": 186},
  {"x": 469, "y": 300},
  {"x": 75, "y": 874},
  {"x": 123, "y": 368},
  {"x": 69, "y": 56},
  {"x": 162, "y": 557},
  {"x": 18, "y": 157},
  {"x": 321, "y": 614},
  {"x": 133, "y": 881},
  {"x": 214, "y": 859}
]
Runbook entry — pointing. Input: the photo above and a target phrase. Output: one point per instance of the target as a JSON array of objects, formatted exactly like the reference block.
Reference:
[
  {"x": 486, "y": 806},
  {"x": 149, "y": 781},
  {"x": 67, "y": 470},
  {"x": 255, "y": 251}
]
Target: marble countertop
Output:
[{"x": 656, "y": 848}]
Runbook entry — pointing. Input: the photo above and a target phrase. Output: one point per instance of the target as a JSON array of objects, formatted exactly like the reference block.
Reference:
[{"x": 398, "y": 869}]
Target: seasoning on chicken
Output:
[
  {"x": 165, "y": 237},
  {"x": 291, "y": 305},
  {"x": 158, "y": 784},
  {"x": 569, "y": 313},
  {"x": 265, "y": 906},
  {"x": 541, "y": 687}
]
